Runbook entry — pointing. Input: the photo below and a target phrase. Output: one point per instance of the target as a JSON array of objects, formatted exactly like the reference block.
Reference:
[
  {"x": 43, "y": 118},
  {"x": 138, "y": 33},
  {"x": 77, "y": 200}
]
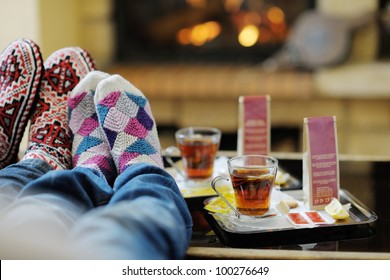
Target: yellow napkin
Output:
[{"x": 217, "y": 205}]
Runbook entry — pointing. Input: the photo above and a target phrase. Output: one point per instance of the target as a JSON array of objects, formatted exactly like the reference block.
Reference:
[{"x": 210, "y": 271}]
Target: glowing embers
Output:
[
  {"x": 199, "y": 34},
  {"x": 248, "y": 25}
]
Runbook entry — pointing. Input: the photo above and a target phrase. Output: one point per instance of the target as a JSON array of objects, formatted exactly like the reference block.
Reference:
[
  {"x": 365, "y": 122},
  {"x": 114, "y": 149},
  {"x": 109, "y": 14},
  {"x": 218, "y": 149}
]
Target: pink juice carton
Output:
[
  {"x": 254, "y": 127},
  {"x": 321, "y": 178}
]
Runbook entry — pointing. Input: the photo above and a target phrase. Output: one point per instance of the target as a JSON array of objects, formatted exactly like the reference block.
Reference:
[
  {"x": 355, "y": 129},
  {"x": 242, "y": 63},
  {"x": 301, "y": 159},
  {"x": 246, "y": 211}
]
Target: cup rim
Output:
[
  {"x": 274, "y": 161},
  {"x": 215, "y": 130}
]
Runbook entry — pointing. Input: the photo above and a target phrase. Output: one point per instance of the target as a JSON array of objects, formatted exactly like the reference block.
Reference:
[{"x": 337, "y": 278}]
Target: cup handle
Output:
[
  {"x": 213, "y": 185},
  {"x": 168, "y": 156}
]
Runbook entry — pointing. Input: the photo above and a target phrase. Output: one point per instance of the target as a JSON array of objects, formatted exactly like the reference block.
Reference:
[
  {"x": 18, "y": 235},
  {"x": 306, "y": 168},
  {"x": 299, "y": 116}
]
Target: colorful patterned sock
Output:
[
  {"x": 21, "y": 70},
  {"x": 90, "y": 148},
  {"x": 128, "y": 123},
  {"x": 49, "y": 131}
]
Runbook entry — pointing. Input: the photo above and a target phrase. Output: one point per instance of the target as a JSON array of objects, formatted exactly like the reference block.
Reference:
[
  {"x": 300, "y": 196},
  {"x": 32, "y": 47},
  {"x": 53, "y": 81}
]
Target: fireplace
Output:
[{"x": 203, "y": 30}]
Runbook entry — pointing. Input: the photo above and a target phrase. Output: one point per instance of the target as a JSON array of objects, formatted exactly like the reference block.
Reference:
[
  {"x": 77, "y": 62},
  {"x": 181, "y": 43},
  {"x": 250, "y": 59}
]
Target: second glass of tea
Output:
[
  {"x": 252, "y": 178},
  {"x": 198, "y": 148}
]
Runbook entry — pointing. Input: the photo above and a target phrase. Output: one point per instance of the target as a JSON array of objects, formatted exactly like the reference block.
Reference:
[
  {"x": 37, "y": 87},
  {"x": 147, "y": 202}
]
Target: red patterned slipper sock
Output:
[
  {"x": 49, "y": 131},
  {"x": 90, "y": 148},
  {"x": 127, "y": 121},
  {"x": 21, "y": 70}
]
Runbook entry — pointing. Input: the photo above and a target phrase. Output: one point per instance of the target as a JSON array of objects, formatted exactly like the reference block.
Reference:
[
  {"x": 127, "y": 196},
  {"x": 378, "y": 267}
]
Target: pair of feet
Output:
[
  {"x": 110, "y": 119},
  {"x": 112, "y": 124},
  {"x": 37, "y": 91}
]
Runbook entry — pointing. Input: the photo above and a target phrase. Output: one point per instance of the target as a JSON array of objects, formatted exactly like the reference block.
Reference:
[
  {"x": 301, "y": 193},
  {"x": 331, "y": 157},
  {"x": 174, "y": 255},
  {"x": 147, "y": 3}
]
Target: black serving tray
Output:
[{"x": 358, "y": 225}]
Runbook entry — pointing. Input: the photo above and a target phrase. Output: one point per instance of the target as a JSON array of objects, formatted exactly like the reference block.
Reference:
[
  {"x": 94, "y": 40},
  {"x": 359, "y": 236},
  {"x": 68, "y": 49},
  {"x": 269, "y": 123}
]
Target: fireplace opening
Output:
[{"x": 203, "y": 30}]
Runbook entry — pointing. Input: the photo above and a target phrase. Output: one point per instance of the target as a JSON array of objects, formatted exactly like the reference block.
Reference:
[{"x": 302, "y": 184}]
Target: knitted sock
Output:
[
  {"x": 90, "y": 148},
  {"x": 49, "y": 130},
  {"x": 128, "y": 123},
  {"x": 21, "y": 70}
]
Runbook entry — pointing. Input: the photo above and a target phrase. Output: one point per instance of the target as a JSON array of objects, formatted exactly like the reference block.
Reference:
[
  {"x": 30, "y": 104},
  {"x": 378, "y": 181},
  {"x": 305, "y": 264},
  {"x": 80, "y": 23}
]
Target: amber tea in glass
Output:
[
  {"x": 252, "y": 190},
  {"x": 252, "y": 178},
  {"x": 198, "y": 148},
  {"x": 198, "y": 157}
]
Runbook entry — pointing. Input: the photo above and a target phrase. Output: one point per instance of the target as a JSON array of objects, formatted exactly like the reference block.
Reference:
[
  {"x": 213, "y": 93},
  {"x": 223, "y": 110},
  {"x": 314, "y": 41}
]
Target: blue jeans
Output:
[{"x": 77, "y": 214}]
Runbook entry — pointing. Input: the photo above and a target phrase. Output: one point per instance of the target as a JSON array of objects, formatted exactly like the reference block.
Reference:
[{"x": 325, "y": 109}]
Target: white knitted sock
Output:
[
  {"x": 90, "y": 148},
  {"x": 128, "y": 123}
]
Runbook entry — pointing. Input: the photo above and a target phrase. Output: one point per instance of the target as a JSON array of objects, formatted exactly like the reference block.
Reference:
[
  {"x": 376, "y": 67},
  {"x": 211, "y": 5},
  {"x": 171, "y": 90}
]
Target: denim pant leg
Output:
[
  {"x": 45, "y": 210},
  {"x": 146, "y": 218},
  {"x": 14, "y": 177}
]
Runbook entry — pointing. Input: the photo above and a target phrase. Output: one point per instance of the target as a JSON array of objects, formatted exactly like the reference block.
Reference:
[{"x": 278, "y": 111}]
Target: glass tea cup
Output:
[
  {"x": 198, "y": 147},
  {"x": 252, "y": 178}
]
